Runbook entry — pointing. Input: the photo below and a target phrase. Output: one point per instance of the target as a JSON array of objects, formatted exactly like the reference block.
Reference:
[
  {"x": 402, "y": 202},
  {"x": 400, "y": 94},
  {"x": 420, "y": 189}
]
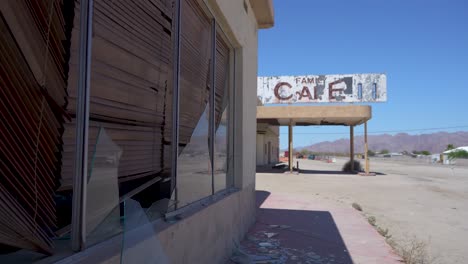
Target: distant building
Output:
[
  {"x": 445, "y": 155},
  {"x": 267, "y": 144}
]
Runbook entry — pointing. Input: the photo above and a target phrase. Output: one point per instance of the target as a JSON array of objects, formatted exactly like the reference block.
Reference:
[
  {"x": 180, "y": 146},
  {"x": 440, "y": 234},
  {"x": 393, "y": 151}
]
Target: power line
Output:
[{"x": 377, "y": 132}]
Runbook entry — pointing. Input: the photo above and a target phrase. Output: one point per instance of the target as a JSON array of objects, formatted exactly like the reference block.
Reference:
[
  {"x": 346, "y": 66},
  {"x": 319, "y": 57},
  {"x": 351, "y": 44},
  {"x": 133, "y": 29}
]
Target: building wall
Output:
[
  {"x": 206, "y": 236},
  {"x": 209, "y": 235},
  {"x": 241, "y": 27},
  {"x": 260, "y": 150},
  {"x": 267, "y": 134},
  {"x": 273, "y": 137}
]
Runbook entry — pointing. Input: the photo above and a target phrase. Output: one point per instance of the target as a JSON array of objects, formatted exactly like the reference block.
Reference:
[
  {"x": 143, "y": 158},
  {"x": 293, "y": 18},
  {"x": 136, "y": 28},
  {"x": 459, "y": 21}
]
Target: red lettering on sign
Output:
[
  {"x": 278, "y": 86},
  {"x": 331, "y": 90},
  {"x": 304, "y": 93}
]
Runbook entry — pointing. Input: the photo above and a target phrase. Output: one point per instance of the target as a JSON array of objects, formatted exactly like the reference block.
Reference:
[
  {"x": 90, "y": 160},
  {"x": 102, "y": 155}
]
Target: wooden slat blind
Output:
[
  {"x": 33, "y": 95},
  {"x": 221, "y": 78},
  {"x": 195, "y": 68},
  {"x": 131, "y": 86}
]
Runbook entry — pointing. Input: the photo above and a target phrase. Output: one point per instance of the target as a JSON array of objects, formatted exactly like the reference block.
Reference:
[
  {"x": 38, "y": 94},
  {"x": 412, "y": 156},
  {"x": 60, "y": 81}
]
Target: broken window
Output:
[
  {"x": 194, "y": 172},
  {"x": 130, "y": 128}
]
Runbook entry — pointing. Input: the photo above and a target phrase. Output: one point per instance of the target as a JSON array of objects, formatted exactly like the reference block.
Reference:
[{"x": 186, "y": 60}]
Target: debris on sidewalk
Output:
[
  {"x": 265, "y": 248},
  {"x": 279, "y": 226},
  {"x": 270, "y": 235},
  {"x": 265, "y": 244}
]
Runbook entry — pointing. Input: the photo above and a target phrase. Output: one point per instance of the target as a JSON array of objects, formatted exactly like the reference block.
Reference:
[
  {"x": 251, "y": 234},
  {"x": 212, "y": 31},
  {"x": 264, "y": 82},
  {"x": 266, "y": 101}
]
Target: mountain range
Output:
[{"x": 434, "y": 143}]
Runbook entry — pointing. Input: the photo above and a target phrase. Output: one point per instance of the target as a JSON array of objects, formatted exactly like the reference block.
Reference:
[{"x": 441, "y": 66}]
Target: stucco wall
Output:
[
  {"x": 206, "y": 236},
  {"x": 260, "y": 150},
  {"x": 241, "y": 28},
  {"x": 269, "y": 134},
  {"x": 209, "y": 235},
  {"x": 272, "y": 136}
]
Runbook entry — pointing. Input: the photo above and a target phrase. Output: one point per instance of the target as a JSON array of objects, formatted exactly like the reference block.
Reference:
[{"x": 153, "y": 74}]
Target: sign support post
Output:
[
  {"x": 366, "y": 148},
  {"x": 351, "y": 147},
  {"x": 290, "y": 148}
]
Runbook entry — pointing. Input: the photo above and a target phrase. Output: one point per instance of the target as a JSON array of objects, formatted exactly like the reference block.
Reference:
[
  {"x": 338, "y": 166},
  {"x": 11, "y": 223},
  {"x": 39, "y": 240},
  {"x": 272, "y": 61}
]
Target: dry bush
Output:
[
  {"x": 413, "y": 252},
  {"x": 371, "y": 220},
  {"x": 356, "y": 206},
  {"x": 383, "y": 232}
]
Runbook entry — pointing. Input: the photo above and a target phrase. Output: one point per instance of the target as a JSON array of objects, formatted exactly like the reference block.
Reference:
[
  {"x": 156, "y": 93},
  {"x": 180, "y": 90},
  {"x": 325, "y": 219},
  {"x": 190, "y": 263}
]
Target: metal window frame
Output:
[
  {"x": 230, "y": 182},
  {"x": 233, "y": 116},
  {"x": 212, "y": 124},
  {"x": 175, "y": 98},
  {"x": 78, "y": 225},
  {"x": 212, "y": 100}
]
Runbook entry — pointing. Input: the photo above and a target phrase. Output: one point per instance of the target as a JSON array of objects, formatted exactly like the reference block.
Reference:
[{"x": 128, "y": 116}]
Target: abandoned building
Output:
[{"x": 128, "y": 129}]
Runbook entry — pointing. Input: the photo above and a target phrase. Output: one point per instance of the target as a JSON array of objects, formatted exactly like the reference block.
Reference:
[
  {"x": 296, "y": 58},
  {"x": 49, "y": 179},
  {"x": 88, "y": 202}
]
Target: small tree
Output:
[
  {"x": 425, "y": 152},
  {"x": 449, "y": 147},
  {"x": 384, "y": 151},
  {"x": 370, "y": 153},
  {"x": 458, "y": 154},
  {"x": 305, "y": 152}
]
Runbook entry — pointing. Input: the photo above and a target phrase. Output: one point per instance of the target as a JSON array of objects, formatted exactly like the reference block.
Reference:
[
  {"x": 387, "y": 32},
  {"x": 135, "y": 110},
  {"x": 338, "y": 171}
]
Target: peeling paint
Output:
[{"x": 322, "y": 88}]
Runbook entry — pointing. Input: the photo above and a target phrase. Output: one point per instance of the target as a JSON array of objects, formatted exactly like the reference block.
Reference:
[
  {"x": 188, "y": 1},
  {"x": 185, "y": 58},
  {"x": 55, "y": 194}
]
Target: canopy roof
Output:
[{"x": 331, "y": 115}]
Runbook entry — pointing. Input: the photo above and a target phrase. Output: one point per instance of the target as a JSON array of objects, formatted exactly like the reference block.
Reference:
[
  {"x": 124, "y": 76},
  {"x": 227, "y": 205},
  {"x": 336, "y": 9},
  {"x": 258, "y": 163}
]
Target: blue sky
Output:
[{"x": 422, "y": 46}]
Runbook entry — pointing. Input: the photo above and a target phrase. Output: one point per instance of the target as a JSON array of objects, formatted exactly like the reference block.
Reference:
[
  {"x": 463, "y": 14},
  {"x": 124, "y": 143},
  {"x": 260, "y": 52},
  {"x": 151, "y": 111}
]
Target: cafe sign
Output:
[{"x": 335, "y": 88}]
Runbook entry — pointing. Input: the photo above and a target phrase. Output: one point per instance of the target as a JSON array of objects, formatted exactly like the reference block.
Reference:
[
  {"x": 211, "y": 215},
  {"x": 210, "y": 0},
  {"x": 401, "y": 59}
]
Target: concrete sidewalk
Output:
[{"x": 293, "y": 229}]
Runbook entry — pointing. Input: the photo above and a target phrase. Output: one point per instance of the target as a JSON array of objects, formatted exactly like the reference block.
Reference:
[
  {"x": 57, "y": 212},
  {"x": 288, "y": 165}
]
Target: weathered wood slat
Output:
[{"x": 32, "y": 77}]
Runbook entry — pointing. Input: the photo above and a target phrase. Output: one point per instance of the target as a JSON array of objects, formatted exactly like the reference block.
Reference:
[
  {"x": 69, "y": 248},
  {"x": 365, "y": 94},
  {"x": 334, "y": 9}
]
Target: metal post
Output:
[
  {"x": 290, "y": 146},
  {"x": 366, "y": 148},
  {"x": 175, "y": 98},
  {"x": 78, "y": 224},
  {"x": 212, "y": 102},
  {"x": 351, "y": 147}
]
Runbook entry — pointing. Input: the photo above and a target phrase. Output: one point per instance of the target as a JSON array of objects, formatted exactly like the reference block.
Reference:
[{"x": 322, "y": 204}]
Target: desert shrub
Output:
[
  {"x": 383, "y": 232},
  {"x": 414, "y": 252},
  {"x": 372, "y": 220},
  {"x": 357, "y": 206}
]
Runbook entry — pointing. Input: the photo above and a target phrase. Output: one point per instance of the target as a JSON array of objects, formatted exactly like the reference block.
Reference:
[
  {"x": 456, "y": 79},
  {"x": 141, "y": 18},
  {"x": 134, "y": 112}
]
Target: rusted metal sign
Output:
[{"x": 346, "y": 88}]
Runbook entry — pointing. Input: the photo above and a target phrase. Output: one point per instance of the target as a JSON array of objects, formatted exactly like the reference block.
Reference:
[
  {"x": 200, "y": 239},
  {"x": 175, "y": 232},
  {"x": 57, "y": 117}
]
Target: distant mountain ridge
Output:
[{"x": 434, "y": 143}]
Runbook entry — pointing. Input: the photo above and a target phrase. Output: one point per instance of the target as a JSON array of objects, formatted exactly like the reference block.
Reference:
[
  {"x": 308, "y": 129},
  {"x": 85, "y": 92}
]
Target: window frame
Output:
[{"x": 78, "y": 225}]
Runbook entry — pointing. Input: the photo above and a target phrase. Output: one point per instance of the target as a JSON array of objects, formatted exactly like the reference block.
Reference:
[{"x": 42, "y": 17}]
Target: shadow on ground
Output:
[
  {"x": 281, "y": 168},
  {"x": 261, "y": 197},
  {"x": 293, "y": 236}
]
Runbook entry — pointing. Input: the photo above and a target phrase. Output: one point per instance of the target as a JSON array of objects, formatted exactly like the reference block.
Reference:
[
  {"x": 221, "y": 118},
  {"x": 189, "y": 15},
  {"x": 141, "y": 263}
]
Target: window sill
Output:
[{"x": 108, "y": 249}]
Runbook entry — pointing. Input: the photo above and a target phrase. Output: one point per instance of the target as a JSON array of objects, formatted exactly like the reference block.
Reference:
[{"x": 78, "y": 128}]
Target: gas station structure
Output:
[
  {"x": 343, "y": 115},
  {"x": 293, "y": 101}
]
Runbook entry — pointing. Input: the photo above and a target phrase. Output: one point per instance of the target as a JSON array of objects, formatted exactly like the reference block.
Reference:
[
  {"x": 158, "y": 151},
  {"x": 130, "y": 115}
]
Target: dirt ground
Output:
[{"x": 422, "y": 202}]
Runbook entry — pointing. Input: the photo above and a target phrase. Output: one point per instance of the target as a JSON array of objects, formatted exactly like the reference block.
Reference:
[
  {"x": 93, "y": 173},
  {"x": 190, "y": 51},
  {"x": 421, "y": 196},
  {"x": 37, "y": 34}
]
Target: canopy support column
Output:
[
  {"x": 290, "y": 145},
  {"x": 351, "y": 147},
  {"x": 366, "y": 148}
]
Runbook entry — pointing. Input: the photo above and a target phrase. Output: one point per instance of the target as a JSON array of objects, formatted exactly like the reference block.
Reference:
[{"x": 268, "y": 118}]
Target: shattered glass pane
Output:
[
  {"x": 139, "y": 241},
  {"x": 102, "y": 204}
]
